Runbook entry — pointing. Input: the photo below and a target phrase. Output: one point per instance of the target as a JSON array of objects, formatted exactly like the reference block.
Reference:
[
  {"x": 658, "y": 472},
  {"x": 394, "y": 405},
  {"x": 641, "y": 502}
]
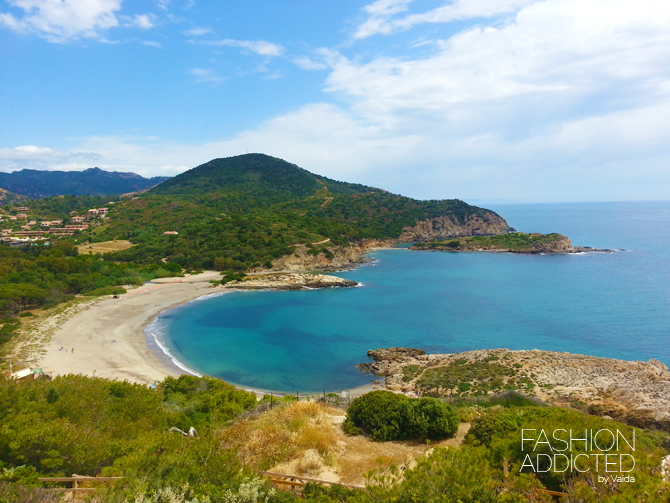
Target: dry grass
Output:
[
  {"x": 282, "y": 434},
  {"x": 306, "y": 438},
  {"x": 105, "y": 247}
]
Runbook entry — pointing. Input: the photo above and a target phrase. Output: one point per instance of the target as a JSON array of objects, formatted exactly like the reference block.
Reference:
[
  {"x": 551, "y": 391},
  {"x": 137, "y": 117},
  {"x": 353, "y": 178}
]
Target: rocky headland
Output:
[
  {"x": 635, "y": 392},
  {"x": 514, "y": 242},
  {"x": 443, "y": 227},
  {"x": 289, "y": 281}
]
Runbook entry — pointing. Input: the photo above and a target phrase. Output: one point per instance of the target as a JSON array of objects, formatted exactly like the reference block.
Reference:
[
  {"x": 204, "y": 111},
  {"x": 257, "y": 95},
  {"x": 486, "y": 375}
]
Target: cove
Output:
[{"x": 609, "y": 305}]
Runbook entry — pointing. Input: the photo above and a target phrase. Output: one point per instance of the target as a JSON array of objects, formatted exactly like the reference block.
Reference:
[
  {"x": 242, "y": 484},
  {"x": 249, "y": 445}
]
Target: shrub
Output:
[{"x": 389, "y": 416}]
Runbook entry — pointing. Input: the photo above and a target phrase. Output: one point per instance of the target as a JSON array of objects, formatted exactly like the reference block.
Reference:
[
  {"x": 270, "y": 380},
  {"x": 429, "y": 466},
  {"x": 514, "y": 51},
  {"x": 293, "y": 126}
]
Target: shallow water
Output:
[{"x": 612, "y": 305}]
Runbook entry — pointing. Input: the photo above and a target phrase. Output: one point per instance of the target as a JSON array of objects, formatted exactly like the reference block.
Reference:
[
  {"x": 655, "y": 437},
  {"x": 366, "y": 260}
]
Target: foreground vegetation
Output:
[{"x": 93, "y": 426}]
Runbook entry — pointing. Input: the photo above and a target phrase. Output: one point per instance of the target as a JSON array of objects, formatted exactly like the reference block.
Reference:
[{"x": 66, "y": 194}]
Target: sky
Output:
[{"x": 480, "y": 100}]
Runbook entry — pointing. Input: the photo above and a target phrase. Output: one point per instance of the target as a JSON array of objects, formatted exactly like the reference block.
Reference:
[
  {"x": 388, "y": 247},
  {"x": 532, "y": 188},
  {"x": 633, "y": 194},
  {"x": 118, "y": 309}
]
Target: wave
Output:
[{"x": 157, "y": 330}]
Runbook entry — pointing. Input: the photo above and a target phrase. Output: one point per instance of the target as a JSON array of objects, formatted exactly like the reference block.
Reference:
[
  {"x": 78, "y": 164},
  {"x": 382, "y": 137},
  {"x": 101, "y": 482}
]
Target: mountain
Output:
[
  {"x": 36, "y": 184},
  {"x": 265, "y": 179},
  {"x": 7, "y": 197},
  {"x": 250, "y": 210}
]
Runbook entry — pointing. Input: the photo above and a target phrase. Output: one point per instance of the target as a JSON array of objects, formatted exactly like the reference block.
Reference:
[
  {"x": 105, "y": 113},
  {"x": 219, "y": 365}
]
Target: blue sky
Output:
[{"x": 481, "y": 100}]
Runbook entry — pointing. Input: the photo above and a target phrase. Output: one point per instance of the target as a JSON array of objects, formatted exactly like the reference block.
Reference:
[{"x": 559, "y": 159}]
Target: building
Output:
[
  {"x": 170, "y": 233},
  {"x": 23, "y": 209},
  {"x": 45, "y": 224},
  {"x": 76, "y": 227},
  {"x": 77, "y": 220},
  {"x": 21, "y": 215},
  {"x": 30, "y": 233}
]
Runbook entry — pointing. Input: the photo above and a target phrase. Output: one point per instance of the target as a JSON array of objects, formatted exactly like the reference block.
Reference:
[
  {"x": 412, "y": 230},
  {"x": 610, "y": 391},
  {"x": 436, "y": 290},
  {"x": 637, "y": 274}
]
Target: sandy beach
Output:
[
  {"x": 91, "y": 332},
  {"x": 108, "y": 338}
]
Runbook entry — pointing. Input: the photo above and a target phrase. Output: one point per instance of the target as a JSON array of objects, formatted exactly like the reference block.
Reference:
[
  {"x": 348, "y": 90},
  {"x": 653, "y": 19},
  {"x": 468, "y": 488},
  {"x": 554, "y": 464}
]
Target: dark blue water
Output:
[{"x": 611, "y": 305}]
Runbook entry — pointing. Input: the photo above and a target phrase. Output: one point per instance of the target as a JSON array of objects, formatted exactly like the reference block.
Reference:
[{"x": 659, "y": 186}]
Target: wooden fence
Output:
[{"x": 75, "y": 480}]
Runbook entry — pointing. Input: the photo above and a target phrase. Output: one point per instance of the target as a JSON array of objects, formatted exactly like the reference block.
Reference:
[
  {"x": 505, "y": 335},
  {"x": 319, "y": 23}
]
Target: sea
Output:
[{"x": 614, "y": 305}]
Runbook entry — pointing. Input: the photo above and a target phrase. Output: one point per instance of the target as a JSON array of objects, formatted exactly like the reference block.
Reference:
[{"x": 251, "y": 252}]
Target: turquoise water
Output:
[{"x": 611, "y": 305}]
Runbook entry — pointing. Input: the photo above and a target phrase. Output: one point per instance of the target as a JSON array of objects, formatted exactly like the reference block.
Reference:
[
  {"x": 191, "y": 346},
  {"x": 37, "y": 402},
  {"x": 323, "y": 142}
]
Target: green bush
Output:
[{"x": 389, "y": 416}]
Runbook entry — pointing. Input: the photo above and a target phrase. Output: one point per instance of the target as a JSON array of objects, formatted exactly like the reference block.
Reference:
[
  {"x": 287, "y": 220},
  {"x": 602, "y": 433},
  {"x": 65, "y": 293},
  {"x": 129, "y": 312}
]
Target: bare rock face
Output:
[
  {"x": 447, "y": 227},
  {"x": 383, "y": 357},
  {"x": 341, "y": 257}
]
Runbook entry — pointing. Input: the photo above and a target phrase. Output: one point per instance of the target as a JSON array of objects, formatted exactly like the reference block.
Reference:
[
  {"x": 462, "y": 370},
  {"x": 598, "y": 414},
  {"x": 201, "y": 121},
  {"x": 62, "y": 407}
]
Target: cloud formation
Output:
[
  {"x": 381, "y": 14},
  {"x": 260, "y": 47},
  {"x": 61, "y": 21},
  {"x": 206, "y": 75},
  {"x": 34, "y": 157}
]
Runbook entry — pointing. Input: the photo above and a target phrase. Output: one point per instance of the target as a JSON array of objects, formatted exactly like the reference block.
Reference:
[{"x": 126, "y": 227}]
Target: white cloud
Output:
[
  {"x": 60, "y": 21},
  {"x": 34, "y": 157},
  {"x": 557, "y": 50},
  {"x": 206, "y": 75},
  {"x": 381, "y": 13},
  {"x": 196, "y": 32},
  {"x": 143, "y": 21},
  {"x": 309, "y": 64},
  {"x": 152, "y": 43},
  {"x": 260, "y": 47}
]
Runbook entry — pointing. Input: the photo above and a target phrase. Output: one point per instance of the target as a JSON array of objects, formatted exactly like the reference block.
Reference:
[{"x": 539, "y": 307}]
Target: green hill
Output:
[
  {"x": 266, "y": 179},
  {"x": 249, "y": 210}
]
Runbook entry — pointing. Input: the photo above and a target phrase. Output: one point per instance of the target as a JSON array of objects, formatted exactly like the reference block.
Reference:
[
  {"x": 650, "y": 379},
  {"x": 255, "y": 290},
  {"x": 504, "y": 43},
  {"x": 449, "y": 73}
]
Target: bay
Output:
[{"x": 611, "y": 305}]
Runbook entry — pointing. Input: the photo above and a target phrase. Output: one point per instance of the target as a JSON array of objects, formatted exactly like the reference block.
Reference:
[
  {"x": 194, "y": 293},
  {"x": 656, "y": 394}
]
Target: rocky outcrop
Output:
[
  {"x": 289, "y": 281},
  {"x": 632, "y": 391},
  {"x": 518, "y": 242},
  {"x": 443, "y": 227},
  {"x": 560, "y": 245},
  {"x": 339, "y": 258}
]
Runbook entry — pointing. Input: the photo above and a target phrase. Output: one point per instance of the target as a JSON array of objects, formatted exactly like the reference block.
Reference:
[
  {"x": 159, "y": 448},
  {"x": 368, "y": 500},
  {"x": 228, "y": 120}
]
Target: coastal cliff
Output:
[
  {"x": 443, "y": 227},
  {"x": 631, "y": 391},
  {"x": 336, "y": 259}
]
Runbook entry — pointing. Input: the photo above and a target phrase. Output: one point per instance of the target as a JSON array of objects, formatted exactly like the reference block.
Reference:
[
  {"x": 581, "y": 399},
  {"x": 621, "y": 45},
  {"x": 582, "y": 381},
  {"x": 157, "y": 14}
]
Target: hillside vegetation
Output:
[
  {"x": 246, "y": 211},
  {"x": 92, "y": 426},
  {"x": 519, "y": 242}
]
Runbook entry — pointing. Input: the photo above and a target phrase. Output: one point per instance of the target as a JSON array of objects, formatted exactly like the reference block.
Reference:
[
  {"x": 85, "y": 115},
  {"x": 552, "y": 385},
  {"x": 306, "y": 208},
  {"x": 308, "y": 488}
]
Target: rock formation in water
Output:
[{"x": 290, "y": 281}]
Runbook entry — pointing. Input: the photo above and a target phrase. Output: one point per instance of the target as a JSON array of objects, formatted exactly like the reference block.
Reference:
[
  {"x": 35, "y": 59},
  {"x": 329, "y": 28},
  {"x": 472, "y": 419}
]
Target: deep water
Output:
[{"x": 612, "y": 305}]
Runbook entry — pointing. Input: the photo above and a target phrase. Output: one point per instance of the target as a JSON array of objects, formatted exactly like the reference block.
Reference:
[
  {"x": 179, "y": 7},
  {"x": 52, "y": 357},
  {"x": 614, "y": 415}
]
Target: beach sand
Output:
[{"x": 91, "y": 332}]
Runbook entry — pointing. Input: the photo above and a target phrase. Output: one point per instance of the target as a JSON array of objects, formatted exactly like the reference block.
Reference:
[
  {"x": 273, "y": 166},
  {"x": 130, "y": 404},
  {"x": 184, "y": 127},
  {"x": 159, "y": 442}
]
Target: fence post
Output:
[{"x": 270, "y": 399}]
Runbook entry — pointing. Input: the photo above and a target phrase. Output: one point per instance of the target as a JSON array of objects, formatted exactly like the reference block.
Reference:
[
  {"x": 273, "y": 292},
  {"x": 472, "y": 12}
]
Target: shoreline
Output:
[{"x": 108, "y": 337}]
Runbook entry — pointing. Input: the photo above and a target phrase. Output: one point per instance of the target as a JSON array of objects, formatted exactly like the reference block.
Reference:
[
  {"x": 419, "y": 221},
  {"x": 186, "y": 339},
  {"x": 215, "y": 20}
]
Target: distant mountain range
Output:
[{"x": 93, "y": 181}]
